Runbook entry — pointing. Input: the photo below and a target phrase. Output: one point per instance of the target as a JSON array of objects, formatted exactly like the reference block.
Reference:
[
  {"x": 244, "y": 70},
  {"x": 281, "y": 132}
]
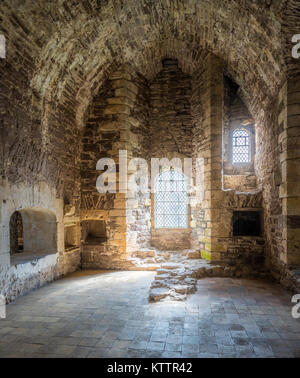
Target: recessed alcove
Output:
[
  {"x": 94, "y": 232},
  {"x": 33, "y": 234},
  {"x": 71, "y": 237},
  {"x": 247, "y": 223}
]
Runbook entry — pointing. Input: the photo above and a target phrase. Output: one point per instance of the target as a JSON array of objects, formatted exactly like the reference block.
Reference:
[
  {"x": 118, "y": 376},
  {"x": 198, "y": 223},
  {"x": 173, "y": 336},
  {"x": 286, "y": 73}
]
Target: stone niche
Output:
[
  {"x": 237, "y": 176},
  {"x": 246, "y": 246},
  {"x": 94, "y": 238},
  {"x": 246, "y": 223},
  {"x": 72, "y": 237},
  {"x": 95, "y": 232},
  {"x": 33, "y": 233},
  {"x": 171, "y": 136}
]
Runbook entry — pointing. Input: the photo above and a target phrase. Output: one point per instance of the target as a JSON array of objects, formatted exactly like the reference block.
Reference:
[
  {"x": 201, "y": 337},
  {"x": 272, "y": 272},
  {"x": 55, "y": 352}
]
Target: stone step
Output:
[
  {"x": 156, "y": 294},
  {"x": 174, "y": 296},
  {"x": 161, "y": 277},
  {"x": 170, "y": 265},
  {"x": 162, "y": 271},
  {"x": 160, "y": 283},
  {"x": 184, "y": 289}
]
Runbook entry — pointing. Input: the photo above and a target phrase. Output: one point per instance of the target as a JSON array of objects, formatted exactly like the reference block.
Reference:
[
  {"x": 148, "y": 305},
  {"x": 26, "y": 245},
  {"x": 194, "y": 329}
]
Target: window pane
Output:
[
  {"x": 240, "y": 147},
  {"x": 182, "y": 220},
  {"x": 171, "y": 200}
]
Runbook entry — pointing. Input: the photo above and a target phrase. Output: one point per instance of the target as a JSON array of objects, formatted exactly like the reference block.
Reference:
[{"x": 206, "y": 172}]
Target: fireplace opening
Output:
[{"x": 246, "y": 223}]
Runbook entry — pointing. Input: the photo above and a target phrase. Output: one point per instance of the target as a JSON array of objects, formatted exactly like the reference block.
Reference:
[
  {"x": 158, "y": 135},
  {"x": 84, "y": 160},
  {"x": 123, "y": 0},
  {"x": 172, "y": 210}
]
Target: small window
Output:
[
  {"x": 241, "y": 146},
  {"x": 16, "y": 233},
  {"x": 170, "y": 200}
]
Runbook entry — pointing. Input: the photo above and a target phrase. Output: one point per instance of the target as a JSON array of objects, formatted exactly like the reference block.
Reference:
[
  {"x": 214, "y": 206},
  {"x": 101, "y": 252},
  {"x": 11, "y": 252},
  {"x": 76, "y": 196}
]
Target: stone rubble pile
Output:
[
  {"x": 174, "y": 281},
  {"x": 177, "y": 272}
]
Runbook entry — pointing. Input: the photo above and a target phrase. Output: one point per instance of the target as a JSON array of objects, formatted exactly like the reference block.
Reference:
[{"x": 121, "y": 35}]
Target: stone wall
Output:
[
  {"x": 171, "y": 240},
  {"x": 240, "y": 183},
  {"x": 118, "y": 120},
  {"x": 170, "y": 114},
  {"x": 281, "y": 203},
  {"x": 207, "y": 112},
  {"x": 138, "y": 204}
]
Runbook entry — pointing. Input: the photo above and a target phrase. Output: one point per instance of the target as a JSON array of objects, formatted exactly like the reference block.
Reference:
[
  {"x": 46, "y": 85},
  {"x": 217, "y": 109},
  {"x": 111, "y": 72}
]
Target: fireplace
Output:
[{"x": 247, "y": 223}]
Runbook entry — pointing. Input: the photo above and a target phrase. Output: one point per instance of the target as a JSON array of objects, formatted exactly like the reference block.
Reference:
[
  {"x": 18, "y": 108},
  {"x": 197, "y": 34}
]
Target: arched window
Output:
[
  {"x": 241, "y": 152},
  {"x": 170, "y": 200},
  {"x": 16, "y": 233}
]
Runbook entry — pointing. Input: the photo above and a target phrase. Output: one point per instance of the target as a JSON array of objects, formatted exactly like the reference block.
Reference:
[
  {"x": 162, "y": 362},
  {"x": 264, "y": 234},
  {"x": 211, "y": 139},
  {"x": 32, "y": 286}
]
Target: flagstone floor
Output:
[{"x": 107, "y": 314}]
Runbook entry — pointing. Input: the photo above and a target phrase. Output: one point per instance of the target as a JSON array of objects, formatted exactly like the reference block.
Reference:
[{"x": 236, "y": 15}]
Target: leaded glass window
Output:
[
  {"x": 170, "y": 200},
  {"x": 241, "y": 146}
]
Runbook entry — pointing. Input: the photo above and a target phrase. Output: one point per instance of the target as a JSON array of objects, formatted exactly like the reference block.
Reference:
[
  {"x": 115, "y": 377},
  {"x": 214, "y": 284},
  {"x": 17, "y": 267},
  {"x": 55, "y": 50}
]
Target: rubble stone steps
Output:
[
  {"x": 176, "y": 280},
  {"x": 177, "y": 272}
]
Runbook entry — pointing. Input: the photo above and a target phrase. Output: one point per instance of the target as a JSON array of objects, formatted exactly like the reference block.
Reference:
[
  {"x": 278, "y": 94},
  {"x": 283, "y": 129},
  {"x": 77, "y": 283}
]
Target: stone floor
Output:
[{"x": 107, "y": 314}]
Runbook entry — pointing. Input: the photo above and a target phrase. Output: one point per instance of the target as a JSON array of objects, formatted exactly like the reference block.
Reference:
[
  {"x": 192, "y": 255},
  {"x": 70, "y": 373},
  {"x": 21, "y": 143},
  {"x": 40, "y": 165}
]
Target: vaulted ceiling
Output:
[{"x": 72, "y": 45}]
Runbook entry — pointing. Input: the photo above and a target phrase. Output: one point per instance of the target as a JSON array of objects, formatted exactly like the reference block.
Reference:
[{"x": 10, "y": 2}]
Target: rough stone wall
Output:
[
  {"x": 117, "y": 121},
  {"x": 171, "y": 240},
  {"x": 200, "y": 144},
  {"x": 19, "y": 279},
  {"x": 98, "y": 138},
  {"x": 138, "y": 204},
  {"x": 101, "y": 136},
  {"x": 170, "y": 117},
  {"x": 207, "y": 112},
  {"x": 268, "y": 179},
  {"x": 281, "y": 197},
  {"x": 38, "y": 144},
  {"x": 289, "y": 190},
  {"x": 240, "y": 183}
]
